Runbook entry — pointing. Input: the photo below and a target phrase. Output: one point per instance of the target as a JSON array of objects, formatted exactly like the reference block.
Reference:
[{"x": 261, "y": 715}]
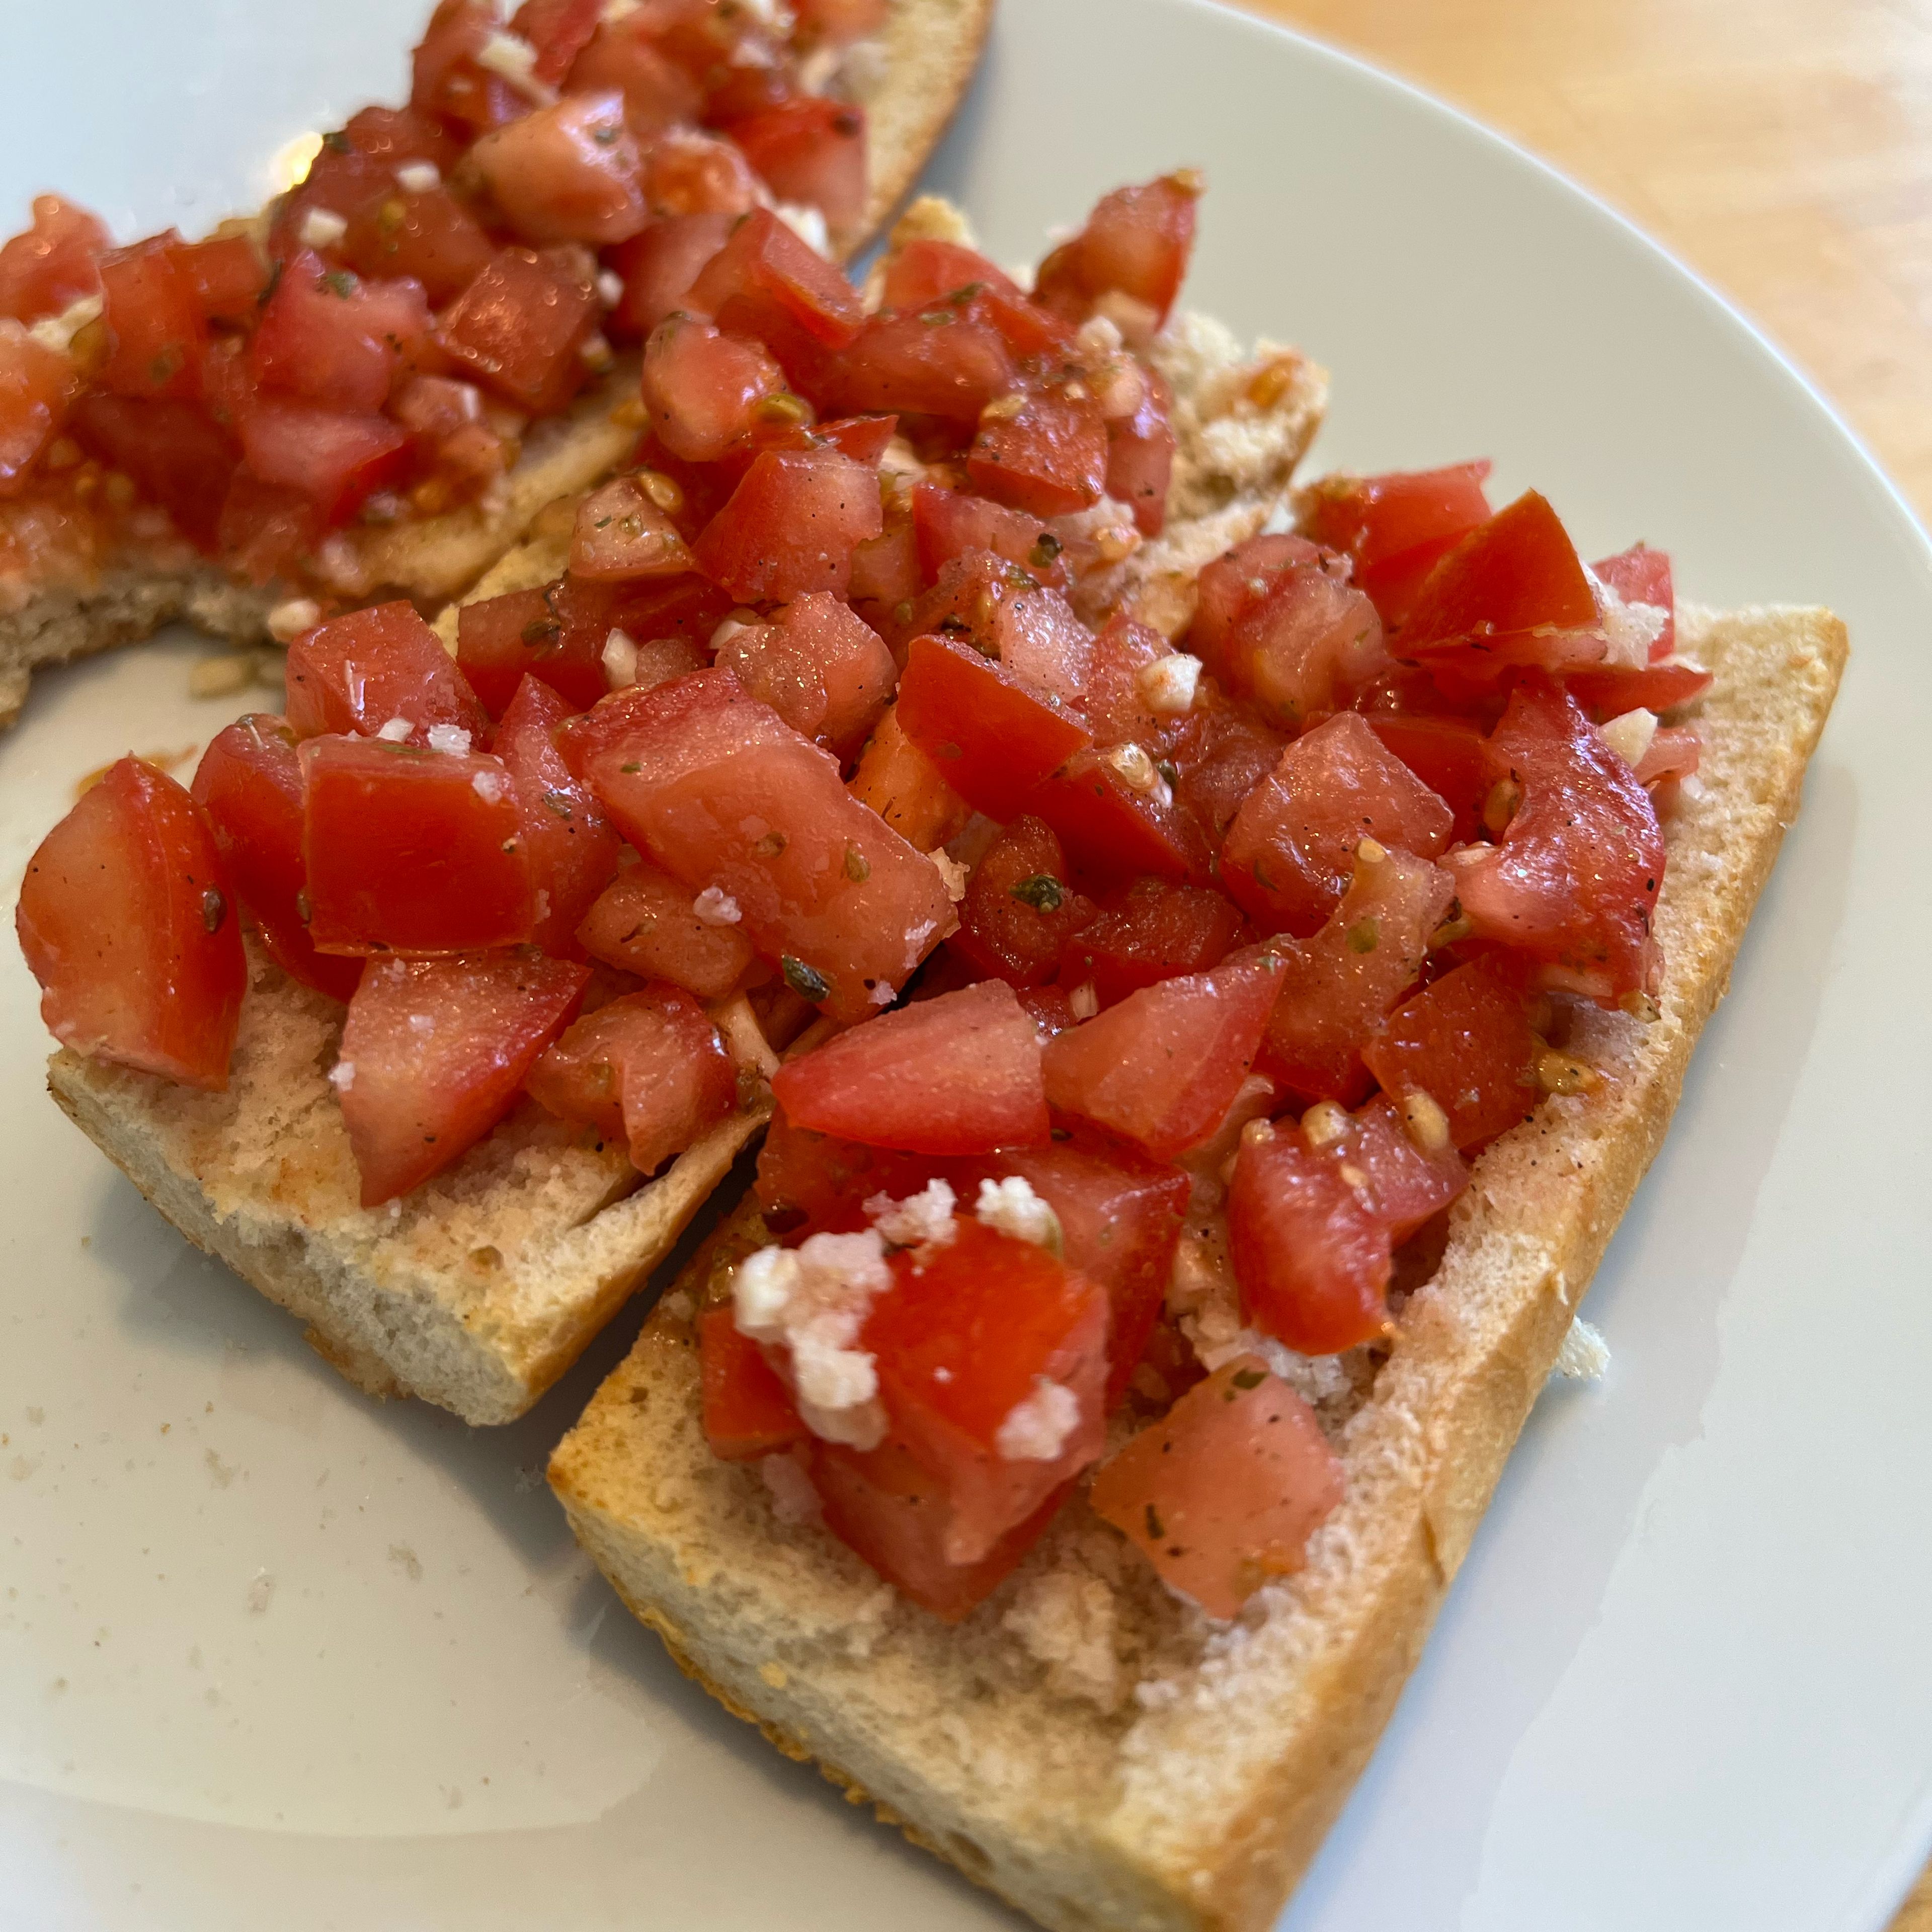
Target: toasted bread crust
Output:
[{"x": 1203, "y": 1807}]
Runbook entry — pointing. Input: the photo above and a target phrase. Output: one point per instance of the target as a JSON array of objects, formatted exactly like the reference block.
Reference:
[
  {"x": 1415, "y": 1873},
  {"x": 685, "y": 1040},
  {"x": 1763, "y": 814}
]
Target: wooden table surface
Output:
[{"x": 1782, "y": 147}]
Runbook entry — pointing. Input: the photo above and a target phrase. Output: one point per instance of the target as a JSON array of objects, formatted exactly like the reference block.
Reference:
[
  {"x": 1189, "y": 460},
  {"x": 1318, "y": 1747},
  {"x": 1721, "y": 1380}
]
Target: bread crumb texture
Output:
[{"x": 1094, "y": 1749}]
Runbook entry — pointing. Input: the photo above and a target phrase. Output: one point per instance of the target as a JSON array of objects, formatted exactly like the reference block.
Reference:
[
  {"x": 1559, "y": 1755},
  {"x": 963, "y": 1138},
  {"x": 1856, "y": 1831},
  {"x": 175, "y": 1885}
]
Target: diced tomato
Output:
[
  {"x": 573, "y": 851},
  {"x": 394, "y": 134},
  {"x": 264, "y": 529},
  {"x": 621, "y": 534},
  {"x": 1396, "y": 527},
  {"x": 1048, "y": 458},
  {"x": 1642, "y": 575},
  {"x": 1164, "y": 1065},
  {"x": 1140, "y": 456},
  {"x": 337, "y": 340},
  {"x": 179, "y": 457},
  {"x": 810, "y": 1183},
  {"x": 643, "y": 923},
  {"x": 1403, "y": 1183},
  {"x": 54, "y": 264},
  {"x": 448, "y": 81},
  {"x": 791, "y": 526},
  {"x": 1291, "y": 847},
  {"x": 411, "y": 851},
  {"x": 897, "y": 782},
  {"x": 823, "y": 670},
  {"x": 1451, "y": 757},
  {"x": 1221, "y": 1495},
  {"x": 558, "y": 634},
  {"x": 560, "y": 30},
  {"x": 337, "y": 458},
  {"x": 959, "y": 1074},
  {"x": 968, "y": 1332},
  {"x": 894, "y": 1512},
  {"x": 1114, "y": 833},
  {"x": 570, "y": 171},
  {"x": 1221, "y": 754},
  {"x": 719, "y": 791},
  {"x": 1007, "y": 614},
  {"x": 154, "y": 325},
  {"x": 659, "y": 266},
  {"x": 517, "y": 327},
  {"x": 1608, "y": 691},
  {"x": 1465, "y": 1041},
  {"x": 356, "y": 672},
  {"x": 622, "y": 54},
  {"x": 1112, "y": 700},
  {"x": 1297, "y": 639},
  {"x": 249, "y": 786},
  {"x": 840, "y": 22},
  {"x": 1575, "y": 878},
  {"x": 766, "y": 276},
  {"x": 885, "y": 568},
  {"x": 649, "y": 1068},
  {"x": 1120, "y": 1217},
  {"x": 949, "y": 524},
  {"x": 749, "y": 1411},
  {"x": 1672, "y": 754},
  {"x": 1515, "y": 578},
  {"x": 1312, "y": 1260},
  {"x": 992, "y": 739},
  {"x": 810, "y": 150},
  {"x": 703, "y": 387},
  {"x": 434, "y": 1052},
  {"x": 228, "y": 276},
  {"x": 37, "y": 386},
  {"x": 1019, "y": 911},
  {"x": 935, "y": 363},
  {"x": 925, "y": 273},
  {"x": 1136, "y": 243},
  {"x": 127, "y": 919},
  {"x": 425, "y": 234},
  {"x": 1335, "y": 985},
  {"x": 1160, "y": 931},
  {"x": 687, "y": 172}
]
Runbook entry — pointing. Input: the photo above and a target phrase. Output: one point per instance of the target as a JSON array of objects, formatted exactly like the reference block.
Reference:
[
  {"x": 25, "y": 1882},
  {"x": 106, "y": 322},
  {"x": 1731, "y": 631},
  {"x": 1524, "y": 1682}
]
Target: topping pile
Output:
[
  {"x": 376, "y": 346},
  {"x": 1151, "y": 994}
]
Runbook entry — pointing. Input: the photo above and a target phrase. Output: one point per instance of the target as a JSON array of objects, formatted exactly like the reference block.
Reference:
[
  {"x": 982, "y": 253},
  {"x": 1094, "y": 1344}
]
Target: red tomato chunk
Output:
[
  {"x": 791, "y": 526},
  {"x": 1019, "y": 913},
  {"x": 749, "y": 1411},
  {"x": 356, "y": 672},
  {"x": 644, "y": 922}
]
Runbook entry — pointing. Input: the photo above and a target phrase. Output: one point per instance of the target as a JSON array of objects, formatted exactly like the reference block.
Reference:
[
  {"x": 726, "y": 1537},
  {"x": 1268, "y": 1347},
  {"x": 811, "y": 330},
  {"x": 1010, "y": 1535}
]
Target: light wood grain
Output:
[{"x": 1783, "y": 148}]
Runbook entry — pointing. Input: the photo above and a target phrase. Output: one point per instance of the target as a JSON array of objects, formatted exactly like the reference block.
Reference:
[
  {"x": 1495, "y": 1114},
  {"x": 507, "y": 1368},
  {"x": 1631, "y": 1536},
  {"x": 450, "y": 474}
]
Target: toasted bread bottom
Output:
[{"x": 1095, "y": 1751}]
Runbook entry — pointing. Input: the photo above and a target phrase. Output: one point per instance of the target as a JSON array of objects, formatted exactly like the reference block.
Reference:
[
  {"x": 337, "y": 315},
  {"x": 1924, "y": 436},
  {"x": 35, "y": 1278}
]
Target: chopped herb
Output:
[
  {"x": 960, "y": 297},
  {"x": 1061, "y": 1133},
  {"x": 605, "y": 137},
  {"x": 302, "y": 905},
  {"x": 543, "y": 634},
  {"x": 858, "y": 867},
  {"x": 902, "y": 613},
  {"x": 1248, "y": 1379},
  {"x": 1156, "y": 1527},
  {"x": 1364, "y": 935},
  {"x": 214, "y": 909},
  {"x": 1045, "y": 552},
  {"x": 805, "y": 981},
  {"x": 339, "y": 282},
  {"x": 1169, "y": 771},
  {"x": 771, "y": 845},
  {"x": 1042, "y": 892},
  {"x": 634, "y": 766},
  {"x": 337, "y": 143},
  {"x": 559, "y": 802},
  {"x": 849, "y": 125},
  {"x": 936, "y": 318}
]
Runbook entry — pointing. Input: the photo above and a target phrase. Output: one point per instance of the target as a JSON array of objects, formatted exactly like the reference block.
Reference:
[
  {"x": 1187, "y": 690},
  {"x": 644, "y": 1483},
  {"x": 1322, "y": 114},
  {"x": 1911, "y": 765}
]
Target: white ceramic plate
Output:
[{"x": 270, "y": 1654}]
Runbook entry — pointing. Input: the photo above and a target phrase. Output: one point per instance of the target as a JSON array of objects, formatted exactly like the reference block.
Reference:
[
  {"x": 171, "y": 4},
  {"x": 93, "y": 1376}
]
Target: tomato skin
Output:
[
  {"x": 648, "y": 1068},
  {"x": 964, "y": 1335},
  {"x": 411, "y": 851},
  {"x": 721, "y": 792},
  {"x": 354, "y": 673},
  {"x": 1113, "y": 833},
  {"x": 338, "y": 458},
  {"x": 572, "y": 850},
  {"x": 1140, "y": 456},
  {"x": 249, "y": 787},
  {"x": 1049, "y": 458},
  {"x": 1163, "y": 1066},
  {"x": 1465, "y": 1041},
  {"x": 419, "y": 1097},
  {"x": 156, "y": 329},
  {"x": 703, "y": 388},
  {"x": 517, "y": 327},
  {"x": 956, "y": 1075},
  {"x": 810, "y": 150},
  {"x": 1160, "y": 931},
  {"x": 54, "y": 264},
  {"x": 642, "y": 923},
  {"x": 1291, "y": 847},
  {"x": 1395, "y": 528},
  {"x": 1335, "y": 985},
  {"x": 1518, "y": 573},
  {"x": 127, "y": 919},
  {"x": 1673, "y": 754},
  {"x": 1642, "y": 575},
  {"x": 766, "y": 280},
  {"x": 790, "y": 527},
  {"x": 1577, "y": 875},
  {"x": 659, "y": 267},
  {"x": 1608, "y": 691},
  {"x": 1136, "y": 243},
  {"x": 1223, "y": 1493},
  {"x": 951, "y": 369},
  {"x": 36, "y": 388},
  {"x": 1451, "y": 757},
  {"x": 992, "y": 739},
  {"x": 1019, "y": 911},
  {"x": 748, "y": 1410},
  {"x": 1312, "y": 1261},
  {"x": 897, "y": 782}
]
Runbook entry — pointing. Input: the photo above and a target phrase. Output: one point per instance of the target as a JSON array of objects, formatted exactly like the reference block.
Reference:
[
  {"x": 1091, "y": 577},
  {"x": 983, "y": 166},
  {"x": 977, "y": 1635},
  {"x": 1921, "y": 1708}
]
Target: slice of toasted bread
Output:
[
  {"x": 1094, "y": 1751},
  {"x": 487, "y": 1283},
  {"x": 916, "y": 74}
]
